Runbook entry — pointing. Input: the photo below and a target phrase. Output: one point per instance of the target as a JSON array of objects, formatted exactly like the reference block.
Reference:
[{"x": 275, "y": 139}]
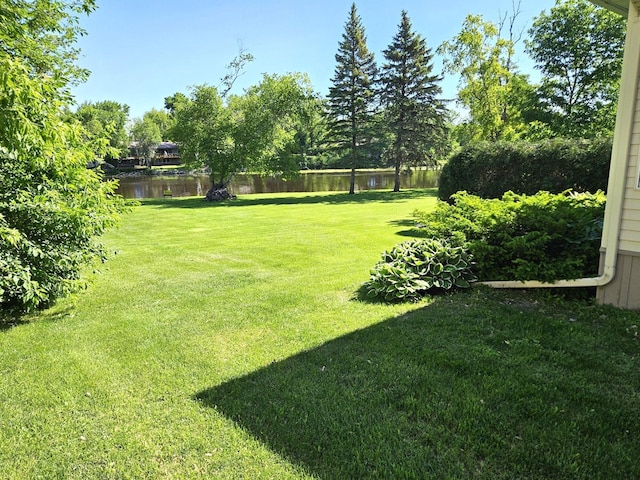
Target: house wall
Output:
[
  {"x": 630, "y": 225},
  {"x": 622, "y": 218},
  {"x": 624, "y": 290}
]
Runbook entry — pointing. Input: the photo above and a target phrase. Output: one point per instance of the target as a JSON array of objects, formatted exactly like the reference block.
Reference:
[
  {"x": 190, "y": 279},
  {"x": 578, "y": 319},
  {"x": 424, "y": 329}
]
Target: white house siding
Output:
[
  {"x": 630, "y": 225},
  {"x": 624, "y": 290}
]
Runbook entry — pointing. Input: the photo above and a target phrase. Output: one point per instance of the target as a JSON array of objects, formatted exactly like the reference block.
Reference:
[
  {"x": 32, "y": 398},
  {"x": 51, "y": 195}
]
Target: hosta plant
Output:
[{"x": 412, "y": 268}]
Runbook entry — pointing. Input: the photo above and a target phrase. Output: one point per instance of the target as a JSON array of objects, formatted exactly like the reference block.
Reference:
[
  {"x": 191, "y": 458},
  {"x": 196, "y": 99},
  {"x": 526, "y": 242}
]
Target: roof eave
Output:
[{"x": 618, "y": 6}]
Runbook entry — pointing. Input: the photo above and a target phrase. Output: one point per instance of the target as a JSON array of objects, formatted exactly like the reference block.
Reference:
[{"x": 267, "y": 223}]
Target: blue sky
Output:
[{"x": 140, "y": 51}]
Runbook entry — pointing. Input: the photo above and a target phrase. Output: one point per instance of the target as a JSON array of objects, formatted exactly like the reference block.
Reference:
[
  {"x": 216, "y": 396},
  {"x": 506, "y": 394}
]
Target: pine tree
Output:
[
  {"x": 415, "y": 116},
  {"x": 351, "y": 98}
]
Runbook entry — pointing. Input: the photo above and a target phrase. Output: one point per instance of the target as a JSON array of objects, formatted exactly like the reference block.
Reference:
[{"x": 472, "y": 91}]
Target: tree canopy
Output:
[
  {"x": 352, "y": 94},
  {"x": 410, "y": 92},
  {"x": 483, "y": 57},
  {"x": 52, "y": 208},
  {"x": 162, "y": 119},
  {"x": 204, "y": 130},
  {"x": 146, "y": 136},
  {"x": 105, "y": 120},
  {"x": 578, "y": 48},
  {"x": 273, "y": 116},
  {"x": 256, "y": 131}
]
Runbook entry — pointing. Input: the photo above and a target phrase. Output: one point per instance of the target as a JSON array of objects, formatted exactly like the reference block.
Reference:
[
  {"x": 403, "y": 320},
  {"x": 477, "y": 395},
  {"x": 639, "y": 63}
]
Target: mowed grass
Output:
[{"x": 228, "y": 341}]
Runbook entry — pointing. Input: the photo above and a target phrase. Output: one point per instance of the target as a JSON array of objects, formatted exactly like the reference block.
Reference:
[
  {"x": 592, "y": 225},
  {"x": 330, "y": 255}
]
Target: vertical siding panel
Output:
[
  {"x": 633, "y": 297},
  {"x": 625, "y": 279},
  {"x": 610, "y": 295},
  {"x": 630, "y": 228}
]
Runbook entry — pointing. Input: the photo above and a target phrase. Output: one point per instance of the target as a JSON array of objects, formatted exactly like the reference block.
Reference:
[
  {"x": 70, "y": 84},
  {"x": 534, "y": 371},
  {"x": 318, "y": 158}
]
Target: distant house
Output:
[{"x": 166, "y": 153}]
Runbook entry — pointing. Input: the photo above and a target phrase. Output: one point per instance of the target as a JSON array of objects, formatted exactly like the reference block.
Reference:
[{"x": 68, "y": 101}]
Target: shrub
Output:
[
  {"x": 48, "y": 237},
  {"x": 412, "y": 268},
  {"x": 489, "y": 169},
  {"x": 52, "y": 208},
  {"x": 542, "y": 237}
]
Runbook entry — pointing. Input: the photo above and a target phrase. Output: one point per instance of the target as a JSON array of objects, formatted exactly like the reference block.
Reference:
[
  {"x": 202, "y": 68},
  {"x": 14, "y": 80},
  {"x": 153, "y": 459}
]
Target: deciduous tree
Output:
[
  {"x": 204, "y": 130},
  {"x": 255, "y": 131},
  {"x": 578, "y": 48},
  {"x": 274, "y": 116},
  {"x": 146, "y": 136},
  {"x": 482, "y": 54},
  {"x": 105, "y": 120},
  {"x": 52, "y": 208},
  {"x": 163, "y": 119}
]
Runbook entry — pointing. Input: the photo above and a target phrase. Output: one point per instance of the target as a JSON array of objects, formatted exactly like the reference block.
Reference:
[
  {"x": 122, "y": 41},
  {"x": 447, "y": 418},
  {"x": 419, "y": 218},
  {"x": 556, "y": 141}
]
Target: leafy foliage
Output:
[
  {"x": 578, "y": 48},
  {"x": 263, "y": 130},
  {"x": 489, "y": 82},
  {"x": 412, "y": 268},
  {"x": 163, "y": 119},
  {"x": 274, "y": 123},
  {"x": 146, "y": 137},
  {"x": 203, "y": 129},
  {"x": 541, "y": 237},
  {"x": 489, "y": 169},
  {"x": 105, "y": 120},
  {"x": 414, "y": 115},
  {"x": 352, "y": 95},
  {"x": 52, "y": 208}
]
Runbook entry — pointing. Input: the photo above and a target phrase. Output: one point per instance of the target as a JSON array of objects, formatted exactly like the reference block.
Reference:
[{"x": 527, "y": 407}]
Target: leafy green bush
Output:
[
  {"x": 542, "y": 237},
  {"x": 412, "y": 268},
  {"x": 489, "y": 169},
  {"x": 52, "y": 208},
  {"x": 48, "y": 235}
]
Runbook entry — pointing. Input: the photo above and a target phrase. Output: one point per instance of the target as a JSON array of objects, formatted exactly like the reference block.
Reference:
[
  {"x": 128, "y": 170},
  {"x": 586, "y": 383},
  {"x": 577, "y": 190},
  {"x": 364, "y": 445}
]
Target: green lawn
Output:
[{"x": 228, "y": 341}]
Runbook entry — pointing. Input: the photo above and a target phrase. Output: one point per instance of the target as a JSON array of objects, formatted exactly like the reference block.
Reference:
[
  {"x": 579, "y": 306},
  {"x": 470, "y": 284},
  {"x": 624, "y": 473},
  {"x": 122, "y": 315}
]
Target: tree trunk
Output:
[
  {"x": 354, "y": 155},
  {"x": 352, "y": 182},
  {"x": 218, "y": 192},
  {"x": 399, "y": 153}
]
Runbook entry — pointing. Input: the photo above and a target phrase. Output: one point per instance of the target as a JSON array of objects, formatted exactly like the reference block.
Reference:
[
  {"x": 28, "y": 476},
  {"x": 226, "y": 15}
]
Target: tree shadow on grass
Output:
[
  {"x": 9, "y": 320},
  {"x": 451, "y": 390},
  {"x": 413, "y": 231},
  {"x": 317, "y": 198}
]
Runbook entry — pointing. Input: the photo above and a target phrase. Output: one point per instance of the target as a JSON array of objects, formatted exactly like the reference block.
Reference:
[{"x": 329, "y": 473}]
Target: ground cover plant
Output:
[
  {"x": 543, "y": 237},
  {"x": 413, "y": 268},
  {"x": 227, "y": 341}
]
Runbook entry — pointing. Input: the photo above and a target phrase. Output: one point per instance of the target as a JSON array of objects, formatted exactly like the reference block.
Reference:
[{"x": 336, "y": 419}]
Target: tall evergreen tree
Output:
[
  {"x": 351, "y": 98},
  {"x": 409, "y": 91}
]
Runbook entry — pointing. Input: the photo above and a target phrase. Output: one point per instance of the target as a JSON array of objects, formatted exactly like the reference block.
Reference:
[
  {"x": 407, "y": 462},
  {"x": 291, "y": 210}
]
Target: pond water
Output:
[{"x": 186, "y": 185}]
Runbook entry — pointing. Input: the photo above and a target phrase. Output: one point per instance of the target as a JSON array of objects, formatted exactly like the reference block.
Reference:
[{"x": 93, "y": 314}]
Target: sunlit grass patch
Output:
[{"x": 227, "y": 341}]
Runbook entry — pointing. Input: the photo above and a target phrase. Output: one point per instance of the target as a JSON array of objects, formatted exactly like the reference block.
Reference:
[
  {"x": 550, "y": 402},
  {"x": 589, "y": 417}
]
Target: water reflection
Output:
[{"x": 156, "y": 186}]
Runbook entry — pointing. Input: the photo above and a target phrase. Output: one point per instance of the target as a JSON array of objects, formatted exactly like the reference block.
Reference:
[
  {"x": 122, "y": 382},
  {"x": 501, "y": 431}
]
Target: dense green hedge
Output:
[
  {"x": 489, "y": 169},
  {"x": 543, "y": 237}
]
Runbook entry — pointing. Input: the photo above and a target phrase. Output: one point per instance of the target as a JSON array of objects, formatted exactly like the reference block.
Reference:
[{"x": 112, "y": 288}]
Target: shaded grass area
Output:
[
  {"x": 297, "y": 198},
  {"x": 471, "y": 386},
  {"x": 227, "y": 341}
]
